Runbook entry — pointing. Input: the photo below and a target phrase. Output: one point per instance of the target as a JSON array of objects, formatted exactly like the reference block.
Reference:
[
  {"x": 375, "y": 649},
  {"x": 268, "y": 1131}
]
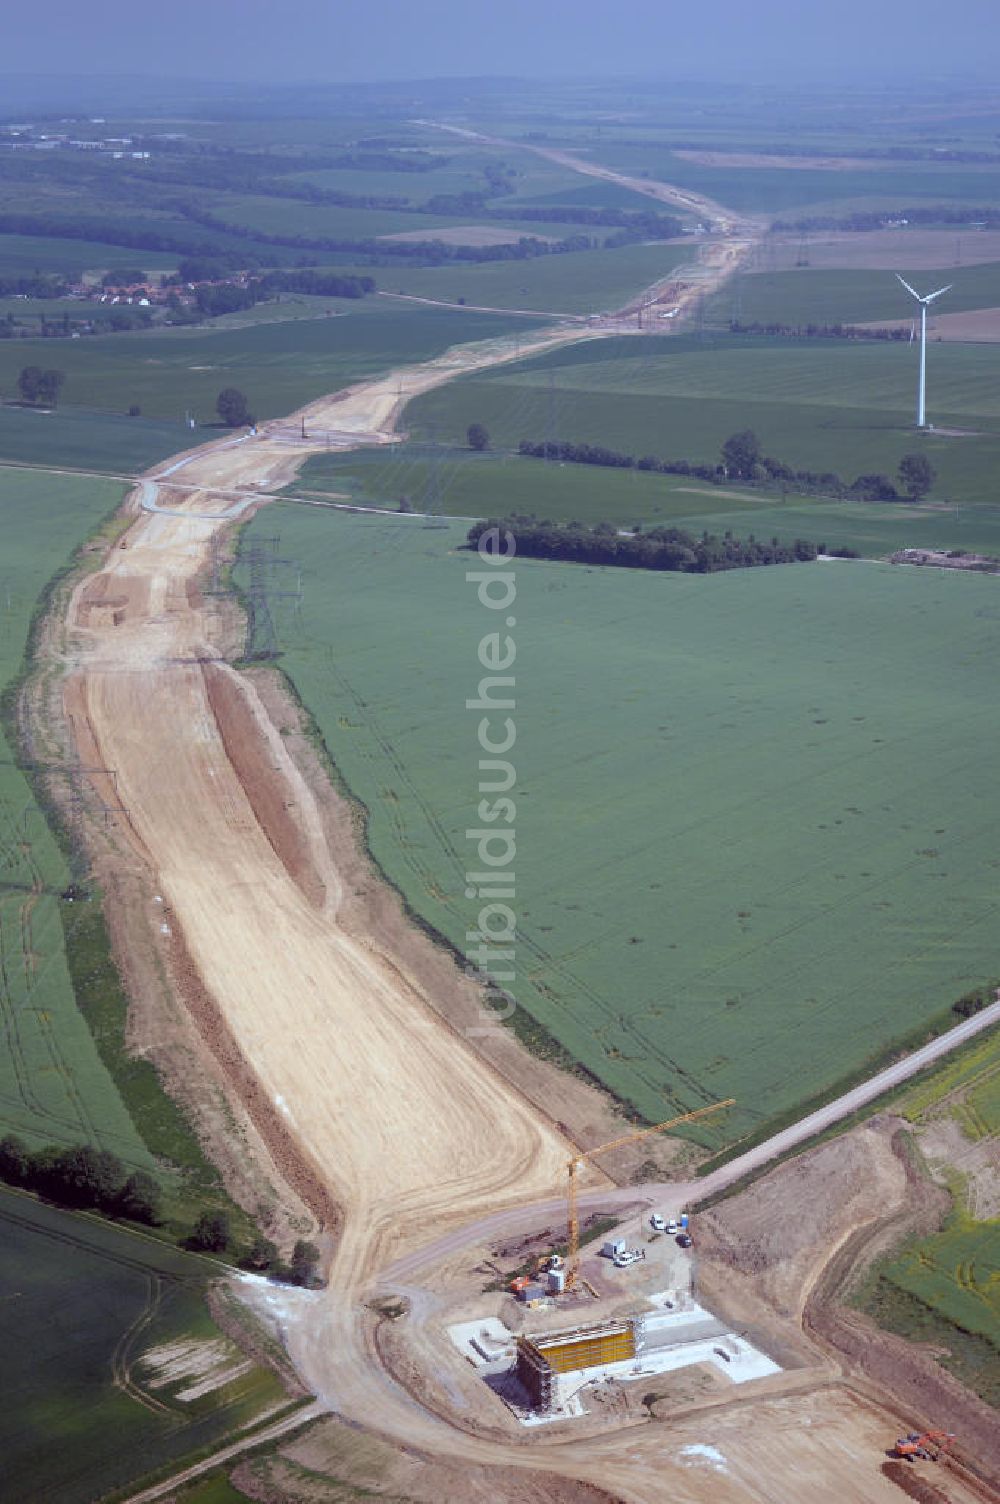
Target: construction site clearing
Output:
[
  {"x": 631, "y": 1314},
  {"x": 550, "y": 1376}
]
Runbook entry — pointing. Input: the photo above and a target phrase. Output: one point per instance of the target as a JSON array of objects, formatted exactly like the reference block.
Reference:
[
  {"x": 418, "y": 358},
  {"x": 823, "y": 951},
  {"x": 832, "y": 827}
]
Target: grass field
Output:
[
  {"x": 969, "y": 1086},
  {"x": 575, "y": 282},
  {"x": 821, "y": 405},
  {"x": 21, "y": 255},
  {"x": 946, "y": 1288},
  {"x": 53, "y": 1085},
  {"x": 852, "y": 297},
  {"x": 460, "y": 483},
  {"x": 80, "y": 439},
  {"x": 746, "y": 864},
  {"x": 280, "y": 366},
  {"x": 779, "y": 190},
  {"x": 85, "y": 1303}
]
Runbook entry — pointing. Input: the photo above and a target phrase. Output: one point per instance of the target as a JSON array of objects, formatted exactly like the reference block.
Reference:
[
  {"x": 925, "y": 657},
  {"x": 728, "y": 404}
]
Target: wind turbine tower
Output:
[{"x": 922, "y": 383}]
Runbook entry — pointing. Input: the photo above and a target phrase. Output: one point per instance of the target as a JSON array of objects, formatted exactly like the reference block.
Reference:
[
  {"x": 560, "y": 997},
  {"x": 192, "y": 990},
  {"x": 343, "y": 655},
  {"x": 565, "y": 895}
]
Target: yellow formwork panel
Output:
[{"x": 588, "y": 1351}]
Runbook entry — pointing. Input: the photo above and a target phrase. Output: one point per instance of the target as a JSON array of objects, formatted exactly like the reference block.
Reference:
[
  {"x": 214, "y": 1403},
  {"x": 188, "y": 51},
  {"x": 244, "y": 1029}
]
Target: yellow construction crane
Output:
[{"x": 577, "y": 1163}]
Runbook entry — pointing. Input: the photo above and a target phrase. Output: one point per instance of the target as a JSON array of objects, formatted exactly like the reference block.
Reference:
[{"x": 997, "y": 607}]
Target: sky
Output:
[{"x": 360, "y": 40}]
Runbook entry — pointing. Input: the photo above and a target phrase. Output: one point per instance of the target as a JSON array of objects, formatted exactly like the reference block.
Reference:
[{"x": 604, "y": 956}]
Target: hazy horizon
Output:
[{"x": 253, "y": 42}]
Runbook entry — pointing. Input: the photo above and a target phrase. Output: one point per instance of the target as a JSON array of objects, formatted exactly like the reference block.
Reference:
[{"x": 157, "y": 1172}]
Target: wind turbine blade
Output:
[
  {"x": 911, "y": 290},
  {"x": 932, "y": 295}
]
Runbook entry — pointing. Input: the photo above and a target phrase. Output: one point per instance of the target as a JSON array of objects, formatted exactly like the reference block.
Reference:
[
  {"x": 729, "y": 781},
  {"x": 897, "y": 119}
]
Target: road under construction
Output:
[{"x": 408, "y": 1143}]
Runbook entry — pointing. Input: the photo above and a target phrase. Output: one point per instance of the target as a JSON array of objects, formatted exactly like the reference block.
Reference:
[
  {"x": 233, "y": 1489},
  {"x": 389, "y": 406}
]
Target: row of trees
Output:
[
  {"x": 213, "y": 299},
  {"x": 742, "y": 458},
  {"x": 434, "y": 252},
  {"x": 870, "y": 219},
  {"x": 816, "y": 331},
  {"x": 37, "y": 285},
  {"x": 83, "y": 1178},
  {"x": 662, "y": 548}
]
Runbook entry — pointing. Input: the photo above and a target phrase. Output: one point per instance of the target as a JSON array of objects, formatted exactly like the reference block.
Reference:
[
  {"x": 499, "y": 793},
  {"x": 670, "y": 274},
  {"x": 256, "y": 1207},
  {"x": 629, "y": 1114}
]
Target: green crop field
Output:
[
  {"x": 85, "y": 1303},
  {"x": 83, "y": 440},
  {"x": 461, "y": 483},
  {"x": 783, "y": 190},
  {"x": 283, "y": 216},
  {"x": 945, "y": 1290},
  {"x": 53, "y": 1086},
  {"x": 571, "y": 282},
  {"x": 280, "y": 366},
  {"x": 754, "y": 809},
  {"x": 20, "y": 255},
  {"x": 832, "y": 405},
  {"x": 852, "y": 297}
]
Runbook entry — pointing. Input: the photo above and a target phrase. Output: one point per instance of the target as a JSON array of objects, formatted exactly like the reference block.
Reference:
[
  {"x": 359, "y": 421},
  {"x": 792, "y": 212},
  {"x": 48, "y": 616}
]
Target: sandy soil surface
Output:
[
  {"x": 947, "y": 1149},
  {"x": 798, "y": 1241},
  {"x": 908, "y": 248}
]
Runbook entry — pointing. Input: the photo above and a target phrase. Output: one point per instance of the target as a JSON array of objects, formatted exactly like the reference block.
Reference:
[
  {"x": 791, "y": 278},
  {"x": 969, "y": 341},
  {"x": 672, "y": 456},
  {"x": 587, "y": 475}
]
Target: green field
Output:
[
  {"x": 852, "y": 297},
  {"x": 945, "y": 1288},
  {"x": 21, "y": 255},
  {"x": 53, "y": 1085},
  {"x": 754, "y": 849},
  {"x": 84, "y": 1303},
  {"x": 460, "y": 483},
  {"x": 80, "y": 439},
  {"x": 280, "y": 366},
  {"x": 574, "y": 282},
  {"x": 834, "y": 405},
  {"x": 780, "y": 190}
]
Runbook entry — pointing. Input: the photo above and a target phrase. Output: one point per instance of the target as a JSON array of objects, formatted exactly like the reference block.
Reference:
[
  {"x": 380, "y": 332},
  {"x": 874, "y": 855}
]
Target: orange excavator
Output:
[{"x": 927, "y": 1445}]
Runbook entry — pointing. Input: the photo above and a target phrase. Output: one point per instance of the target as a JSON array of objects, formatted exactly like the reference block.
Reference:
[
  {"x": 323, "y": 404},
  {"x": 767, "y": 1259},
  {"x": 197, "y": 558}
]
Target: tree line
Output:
[
  {"x": 213, "y": 299},
  {"x": 870, "y": 219},
  {"x": 82, "y": 1178},
  {"x": 661, "y": 548},
  {"x": 743, "y": 459},
  {"x": 815, "y": 331},
  {"x": 385, "y": 251},
  {"x": 37, "y": 285}
]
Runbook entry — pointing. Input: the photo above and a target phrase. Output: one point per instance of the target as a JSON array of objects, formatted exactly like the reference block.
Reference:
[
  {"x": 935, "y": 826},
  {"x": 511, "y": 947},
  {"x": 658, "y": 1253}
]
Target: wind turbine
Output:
[{"x": 924, "y": 303}]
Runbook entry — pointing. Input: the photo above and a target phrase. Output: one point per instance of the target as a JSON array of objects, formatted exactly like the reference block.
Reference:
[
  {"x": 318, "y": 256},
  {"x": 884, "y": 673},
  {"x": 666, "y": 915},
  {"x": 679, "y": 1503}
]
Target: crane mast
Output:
[{"x": 579, "y": 1160}]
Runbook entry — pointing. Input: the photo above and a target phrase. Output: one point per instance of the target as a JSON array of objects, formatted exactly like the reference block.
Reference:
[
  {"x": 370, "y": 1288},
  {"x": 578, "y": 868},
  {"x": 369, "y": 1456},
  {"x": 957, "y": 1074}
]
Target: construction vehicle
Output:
[
  {"x": 926, "y": 1445},
  {"x": 577, "y": 1163}
]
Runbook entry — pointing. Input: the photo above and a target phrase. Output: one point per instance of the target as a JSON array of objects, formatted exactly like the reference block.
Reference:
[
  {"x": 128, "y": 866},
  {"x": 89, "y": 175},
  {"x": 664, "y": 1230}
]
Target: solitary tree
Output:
[
  {"x": 741, "y": 454},
  {"x": 261, "y": 1254},
  {"x": 233, "y": 408},
  {"x": 916, "y": 475},
  {"x": 30, "y": 381},
  {"x": 305, "y": 1257},
  {"x": 211, "y": 1232},
  {"x": 139, "y": 1199},
  {"x": 477, "y": 436}
]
